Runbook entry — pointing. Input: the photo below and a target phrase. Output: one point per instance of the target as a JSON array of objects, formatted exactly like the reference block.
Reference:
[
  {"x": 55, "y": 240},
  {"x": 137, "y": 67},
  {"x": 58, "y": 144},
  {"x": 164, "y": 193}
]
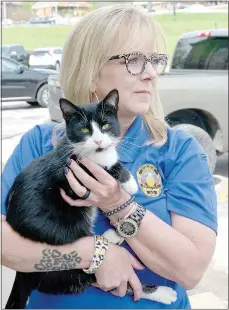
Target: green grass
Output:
[
  {"x": 184, "y": 22},
  {"x": 34, "y": 37}
]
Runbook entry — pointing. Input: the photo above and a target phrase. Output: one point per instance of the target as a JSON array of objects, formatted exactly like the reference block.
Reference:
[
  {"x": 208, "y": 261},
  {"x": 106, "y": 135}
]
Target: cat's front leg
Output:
[
  {"x": 163, "y": 294},
  {"x": 130, "y": 186},
  {"x": 125, "y": 178}
]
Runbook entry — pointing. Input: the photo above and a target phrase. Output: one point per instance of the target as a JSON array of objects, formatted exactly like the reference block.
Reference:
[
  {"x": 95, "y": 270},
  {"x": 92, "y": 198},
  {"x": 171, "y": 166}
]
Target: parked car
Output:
[
  {"x": 16, "y": 52},
  {"x": 47, "y": 57},
  {"x": 20, "y": 83},
  {"x": 7, "y": 22},
  {"x": 194, "y": 93},
  {"x": 41, "y": 20}
]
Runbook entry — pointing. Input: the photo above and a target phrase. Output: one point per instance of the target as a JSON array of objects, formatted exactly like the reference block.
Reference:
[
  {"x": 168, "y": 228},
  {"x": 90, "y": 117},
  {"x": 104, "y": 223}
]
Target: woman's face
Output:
[{"x": 135, "y": 91}]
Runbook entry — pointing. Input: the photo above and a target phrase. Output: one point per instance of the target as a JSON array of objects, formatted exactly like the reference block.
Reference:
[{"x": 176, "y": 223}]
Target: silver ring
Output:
[{"x": 86, "y": 195}]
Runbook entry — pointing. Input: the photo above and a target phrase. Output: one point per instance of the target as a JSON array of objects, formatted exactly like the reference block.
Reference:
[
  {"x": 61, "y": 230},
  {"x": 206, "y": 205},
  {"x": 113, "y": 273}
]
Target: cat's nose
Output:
[{"x": 98, "y": 142}]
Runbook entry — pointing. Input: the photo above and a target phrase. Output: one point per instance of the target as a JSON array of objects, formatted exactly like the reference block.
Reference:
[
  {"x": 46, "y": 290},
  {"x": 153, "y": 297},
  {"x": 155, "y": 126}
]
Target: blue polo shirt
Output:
[{"x": 171, "y": 178}]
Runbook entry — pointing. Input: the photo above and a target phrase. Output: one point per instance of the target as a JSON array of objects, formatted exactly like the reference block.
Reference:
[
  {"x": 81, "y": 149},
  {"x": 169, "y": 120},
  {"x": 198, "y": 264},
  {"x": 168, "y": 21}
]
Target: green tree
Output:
[
  {"x": 99, "y": 4},
  {"x": 27, "y": 5}
]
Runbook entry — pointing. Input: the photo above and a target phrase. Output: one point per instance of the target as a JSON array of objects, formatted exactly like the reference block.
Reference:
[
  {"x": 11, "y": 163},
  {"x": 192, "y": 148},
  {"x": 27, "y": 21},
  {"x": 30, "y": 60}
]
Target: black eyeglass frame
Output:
[{"x": 163, "y": 57}]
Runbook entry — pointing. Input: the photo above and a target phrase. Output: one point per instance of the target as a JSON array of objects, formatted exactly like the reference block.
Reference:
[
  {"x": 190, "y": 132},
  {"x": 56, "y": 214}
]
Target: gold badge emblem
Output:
[{"x": 149, "y": 180}]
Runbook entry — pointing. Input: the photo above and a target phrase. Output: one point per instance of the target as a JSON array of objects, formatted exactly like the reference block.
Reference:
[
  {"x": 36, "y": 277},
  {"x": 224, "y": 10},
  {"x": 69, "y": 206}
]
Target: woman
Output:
[{"x": 176, "y": 237}]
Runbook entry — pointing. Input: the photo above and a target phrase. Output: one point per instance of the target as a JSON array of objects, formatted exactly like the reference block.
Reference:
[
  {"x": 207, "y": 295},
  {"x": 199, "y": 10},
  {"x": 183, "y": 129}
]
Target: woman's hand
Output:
[
  {"x": 117, "y": 271},
  {"x": 105, "y": 191}
]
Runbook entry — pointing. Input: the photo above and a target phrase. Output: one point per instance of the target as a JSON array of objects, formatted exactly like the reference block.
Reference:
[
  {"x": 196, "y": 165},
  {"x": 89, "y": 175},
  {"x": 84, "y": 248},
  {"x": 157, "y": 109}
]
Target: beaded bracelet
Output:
[
  {"x": 101, "y": 246},
  {"x": 132, "y": 210},
  {"x": 126, "y": 204}
]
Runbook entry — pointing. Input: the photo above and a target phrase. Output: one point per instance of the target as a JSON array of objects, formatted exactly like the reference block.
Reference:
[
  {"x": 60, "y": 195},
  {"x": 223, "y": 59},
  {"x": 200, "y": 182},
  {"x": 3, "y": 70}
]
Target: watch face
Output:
[{"x": 127, "y": 228}]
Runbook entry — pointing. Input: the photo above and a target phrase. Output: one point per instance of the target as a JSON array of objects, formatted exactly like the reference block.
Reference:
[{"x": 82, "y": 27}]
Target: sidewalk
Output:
[{"x": 212, "y": 292}]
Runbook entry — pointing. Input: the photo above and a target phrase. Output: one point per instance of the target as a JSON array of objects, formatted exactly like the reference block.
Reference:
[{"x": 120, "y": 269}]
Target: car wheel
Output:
[
  {"x": 57, "y": 66},
  {"x": 42, "y": 96},
  {"x": 205, "y": 141}
]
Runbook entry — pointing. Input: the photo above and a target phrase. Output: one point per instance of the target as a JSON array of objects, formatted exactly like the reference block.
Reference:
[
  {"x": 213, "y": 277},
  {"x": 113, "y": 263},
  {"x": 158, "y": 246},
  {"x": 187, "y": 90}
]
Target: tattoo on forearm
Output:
[{"x": 54, "y": 260}]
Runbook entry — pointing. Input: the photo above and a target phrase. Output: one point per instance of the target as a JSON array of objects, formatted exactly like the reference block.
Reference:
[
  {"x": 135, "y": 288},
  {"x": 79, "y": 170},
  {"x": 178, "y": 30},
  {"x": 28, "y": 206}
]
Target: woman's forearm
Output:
[
  {"x": 167, "y": 252},
  {"x": 25, "y": 255}
]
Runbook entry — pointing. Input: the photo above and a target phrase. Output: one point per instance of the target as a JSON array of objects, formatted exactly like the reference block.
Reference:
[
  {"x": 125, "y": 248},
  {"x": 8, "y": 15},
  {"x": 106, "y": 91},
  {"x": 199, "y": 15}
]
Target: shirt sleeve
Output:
[
  {"x": 29, "y": 147},
  {"x": 190, "y": 184}
]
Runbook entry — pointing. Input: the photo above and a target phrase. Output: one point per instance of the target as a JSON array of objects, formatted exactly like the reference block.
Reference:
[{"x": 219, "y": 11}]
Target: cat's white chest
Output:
[{"x": 106, "y": 158}]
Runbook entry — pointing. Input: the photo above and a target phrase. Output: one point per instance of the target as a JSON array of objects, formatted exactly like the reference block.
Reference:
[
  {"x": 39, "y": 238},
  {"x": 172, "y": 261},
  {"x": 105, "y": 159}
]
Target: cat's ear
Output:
[
  {"x": 67, "y": 108},
  {"x": 112, "y": 98}
]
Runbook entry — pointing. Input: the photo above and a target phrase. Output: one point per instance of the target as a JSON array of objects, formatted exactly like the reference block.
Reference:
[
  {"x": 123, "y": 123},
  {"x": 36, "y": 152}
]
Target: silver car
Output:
[{"x": 194, "y": 92}]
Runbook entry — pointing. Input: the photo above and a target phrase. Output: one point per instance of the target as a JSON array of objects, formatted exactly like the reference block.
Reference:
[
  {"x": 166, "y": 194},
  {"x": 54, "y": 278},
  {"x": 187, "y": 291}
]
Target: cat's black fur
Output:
[{"x": 36, "y": 210}]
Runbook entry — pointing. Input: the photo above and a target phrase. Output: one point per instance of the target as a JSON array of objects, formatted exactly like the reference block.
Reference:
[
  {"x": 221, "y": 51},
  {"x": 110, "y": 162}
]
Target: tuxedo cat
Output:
[{"x": 36, "y": 210}]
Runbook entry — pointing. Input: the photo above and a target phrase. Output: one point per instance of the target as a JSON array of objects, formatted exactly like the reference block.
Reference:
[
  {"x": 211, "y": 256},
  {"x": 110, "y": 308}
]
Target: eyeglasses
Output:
[{"x": 136, "y": 62}]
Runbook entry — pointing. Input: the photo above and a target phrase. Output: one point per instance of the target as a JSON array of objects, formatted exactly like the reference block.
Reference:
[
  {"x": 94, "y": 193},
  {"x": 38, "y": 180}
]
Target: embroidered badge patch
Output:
[{"x": 149, "y": 180}]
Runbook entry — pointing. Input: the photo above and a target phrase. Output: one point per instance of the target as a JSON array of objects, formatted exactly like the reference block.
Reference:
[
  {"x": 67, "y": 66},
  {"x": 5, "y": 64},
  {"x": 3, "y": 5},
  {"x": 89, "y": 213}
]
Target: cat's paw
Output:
[
  {"x": 113, "y": 237},
  {"x": 131, "y": 186},
  {"x": 163, "y": 294}
]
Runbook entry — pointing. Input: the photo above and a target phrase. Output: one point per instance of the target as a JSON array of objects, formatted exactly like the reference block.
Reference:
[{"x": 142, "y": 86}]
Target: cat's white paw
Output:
[
  {"x": 163, "y": 294},
  {"x": 131, "y": 186},
  {"x": 113, "y": 237}
]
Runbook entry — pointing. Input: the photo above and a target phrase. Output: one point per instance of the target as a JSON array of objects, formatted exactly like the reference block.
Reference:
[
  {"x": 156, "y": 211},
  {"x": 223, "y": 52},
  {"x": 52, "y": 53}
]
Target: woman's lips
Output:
[{"x": 143, "y": 92}]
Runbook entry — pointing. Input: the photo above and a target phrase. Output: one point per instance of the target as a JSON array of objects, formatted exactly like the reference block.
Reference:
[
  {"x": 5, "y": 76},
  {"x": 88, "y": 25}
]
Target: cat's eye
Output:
[
  {"x": 84, "y": 129},
  {"x": 106, "y": 126}
]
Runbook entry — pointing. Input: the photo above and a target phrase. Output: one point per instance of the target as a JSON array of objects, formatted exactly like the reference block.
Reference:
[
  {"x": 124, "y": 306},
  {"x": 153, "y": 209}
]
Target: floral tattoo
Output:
[{"x": 54, "y": 260}]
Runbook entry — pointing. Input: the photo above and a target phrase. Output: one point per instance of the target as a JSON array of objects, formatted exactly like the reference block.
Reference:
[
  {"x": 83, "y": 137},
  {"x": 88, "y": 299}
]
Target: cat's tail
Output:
[{"x": 19, "y": 293}]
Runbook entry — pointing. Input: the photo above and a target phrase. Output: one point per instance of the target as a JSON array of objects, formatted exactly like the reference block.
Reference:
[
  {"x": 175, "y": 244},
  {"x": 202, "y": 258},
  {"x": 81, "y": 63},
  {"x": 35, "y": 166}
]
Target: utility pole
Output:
[
  {"x": 174, "y": 8},
  {"x": 56, "y": 8},
  {"x": 149, "y": 5},
  {"x": 4, "y": 14}
]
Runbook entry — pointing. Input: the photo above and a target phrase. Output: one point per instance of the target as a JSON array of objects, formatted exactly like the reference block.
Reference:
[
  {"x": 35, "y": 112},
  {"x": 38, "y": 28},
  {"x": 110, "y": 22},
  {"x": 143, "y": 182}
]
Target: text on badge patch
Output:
[{"x": 149, "y": 180}]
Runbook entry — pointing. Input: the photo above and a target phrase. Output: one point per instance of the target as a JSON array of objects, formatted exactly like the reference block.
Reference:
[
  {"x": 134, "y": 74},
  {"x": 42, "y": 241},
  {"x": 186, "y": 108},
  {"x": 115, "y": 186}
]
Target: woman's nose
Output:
[{"x": 149, "y": 72}]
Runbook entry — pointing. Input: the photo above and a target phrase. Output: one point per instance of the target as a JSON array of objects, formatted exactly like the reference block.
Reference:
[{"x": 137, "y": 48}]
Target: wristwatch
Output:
[{"x": 128, "y": 227}]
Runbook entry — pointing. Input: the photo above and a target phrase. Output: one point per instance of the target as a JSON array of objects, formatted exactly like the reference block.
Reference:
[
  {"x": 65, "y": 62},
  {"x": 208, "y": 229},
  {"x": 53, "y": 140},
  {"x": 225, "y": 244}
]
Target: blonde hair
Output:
[{"x": 97, "y": 36}]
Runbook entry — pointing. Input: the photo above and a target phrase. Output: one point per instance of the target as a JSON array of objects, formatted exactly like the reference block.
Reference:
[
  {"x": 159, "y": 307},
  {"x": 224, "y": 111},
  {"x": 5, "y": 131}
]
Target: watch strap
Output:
[
  {"x": 133, "y": 219},
  {"x": 138, "y": 214},
  {"x": 134, "y": 207}
]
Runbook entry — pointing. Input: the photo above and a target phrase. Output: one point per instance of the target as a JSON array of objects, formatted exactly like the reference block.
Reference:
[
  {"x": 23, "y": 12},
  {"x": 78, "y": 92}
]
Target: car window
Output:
[
  {"x": 58, "y": 51},
  {"x": 5, "y": 50},
  {"x": 40, "y": 53},
  {"x": 8, "y": 66},
  {"x": 218, "y": 60},
  {"x": 17, "y": 49},
  {"x": 201, "y": 53}
]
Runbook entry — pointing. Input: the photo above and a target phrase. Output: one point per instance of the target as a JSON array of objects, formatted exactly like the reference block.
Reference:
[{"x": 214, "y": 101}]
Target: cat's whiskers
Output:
[
  {"x": 84, "y": 115},
  {"x": 68, "y": 154},
  {"x": 102, "y": 112}
]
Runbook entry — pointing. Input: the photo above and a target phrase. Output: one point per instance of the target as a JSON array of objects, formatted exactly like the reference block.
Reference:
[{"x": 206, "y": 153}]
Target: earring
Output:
[
  {"x": 96, "y": 96},
  {"x": 91, "y": 96}
]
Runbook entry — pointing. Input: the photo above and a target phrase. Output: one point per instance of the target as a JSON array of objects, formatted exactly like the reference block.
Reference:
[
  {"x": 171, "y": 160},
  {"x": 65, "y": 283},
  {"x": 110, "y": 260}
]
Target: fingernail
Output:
[
  {"x": 62, "y": 191},
  {"x": 69, "y": 161},
  {"x": 74, "y": 157},
  {"x": 66, "y": 169}
]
